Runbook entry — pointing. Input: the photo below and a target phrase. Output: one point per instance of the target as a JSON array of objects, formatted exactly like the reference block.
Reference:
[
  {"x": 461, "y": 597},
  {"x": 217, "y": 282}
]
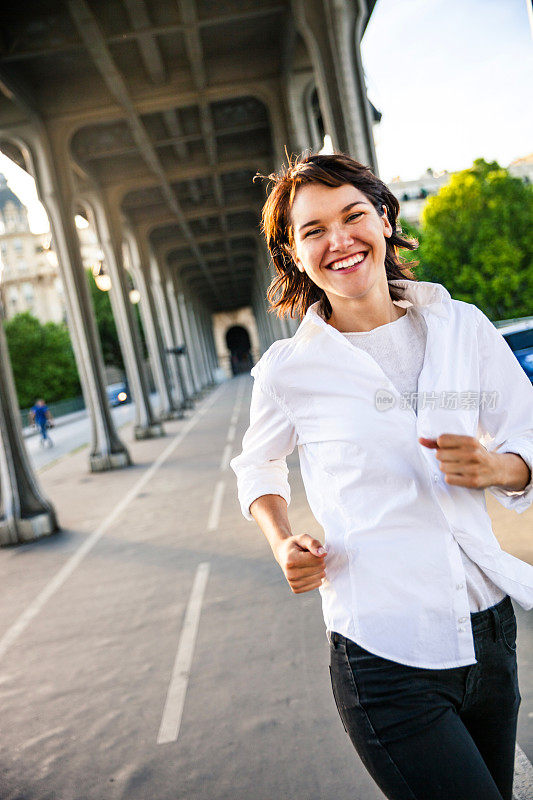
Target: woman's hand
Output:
[
  {"x": 465, "y": 462},
  {"x": 302, "y": 560}
]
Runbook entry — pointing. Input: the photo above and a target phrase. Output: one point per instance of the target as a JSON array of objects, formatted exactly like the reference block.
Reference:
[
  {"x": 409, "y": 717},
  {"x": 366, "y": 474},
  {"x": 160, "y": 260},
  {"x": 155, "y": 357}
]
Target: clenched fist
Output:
[{"x": 302, "y": 560}]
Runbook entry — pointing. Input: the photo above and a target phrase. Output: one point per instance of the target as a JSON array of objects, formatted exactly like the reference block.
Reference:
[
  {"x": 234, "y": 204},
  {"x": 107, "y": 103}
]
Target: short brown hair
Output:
[{"x": 292, "y": 289}]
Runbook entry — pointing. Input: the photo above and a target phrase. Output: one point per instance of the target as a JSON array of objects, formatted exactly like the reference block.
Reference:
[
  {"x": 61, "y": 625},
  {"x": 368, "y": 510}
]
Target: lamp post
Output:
[{"x": 101, "y": 278}]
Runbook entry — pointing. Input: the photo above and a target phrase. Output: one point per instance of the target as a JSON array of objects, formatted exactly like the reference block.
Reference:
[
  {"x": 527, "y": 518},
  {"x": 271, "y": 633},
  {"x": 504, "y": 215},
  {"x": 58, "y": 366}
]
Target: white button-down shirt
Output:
[{"x": 395, "y": 580}]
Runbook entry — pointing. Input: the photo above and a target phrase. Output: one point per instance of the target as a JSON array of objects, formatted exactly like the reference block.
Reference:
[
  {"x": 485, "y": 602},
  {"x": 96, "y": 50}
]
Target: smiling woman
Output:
[
  {"x": 387, "y": 388},
  {"x": 367, "y": 200}
]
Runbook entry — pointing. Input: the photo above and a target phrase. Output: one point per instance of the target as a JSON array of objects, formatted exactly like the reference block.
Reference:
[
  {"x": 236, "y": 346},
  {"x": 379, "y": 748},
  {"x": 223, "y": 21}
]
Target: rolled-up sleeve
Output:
[
  {"x": 261, "y": 468},
  {"x": 506, "y": 408}
]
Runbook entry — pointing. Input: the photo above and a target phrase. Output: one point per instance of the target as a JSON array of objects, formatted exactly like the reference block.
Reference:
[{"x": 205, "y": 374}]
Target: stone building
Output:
[{"x": 30, "y": 276}]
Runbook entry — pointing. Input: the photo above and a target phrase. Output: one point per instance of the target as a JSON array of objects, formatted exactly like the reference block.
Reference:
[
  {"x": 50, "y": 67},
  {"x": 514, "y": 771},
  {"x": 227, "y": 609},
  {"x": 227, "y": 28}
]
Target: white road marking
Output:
[
  {"x": 226, "y": 457},
  {"x": 523, "y": 776},
  {"x": 177, "y": 689},
  {"x": 216, "y": 506},
  {"x": 22, "y": 622},
  {"x": 173, "y": 711},
  {"x": 231, "y": 433}
]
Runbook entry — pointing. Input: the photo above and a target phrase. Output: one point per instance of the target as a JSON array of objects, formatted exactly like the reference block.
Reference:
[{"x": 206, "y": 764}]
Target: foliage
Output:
[
  {"x": 107, "y": 329},
  {"x": 42, "y": 360},
  {"x": 476, "y": 240},
  {"x": 105, "y": 322},
  {"x": 409, "y": 231}
]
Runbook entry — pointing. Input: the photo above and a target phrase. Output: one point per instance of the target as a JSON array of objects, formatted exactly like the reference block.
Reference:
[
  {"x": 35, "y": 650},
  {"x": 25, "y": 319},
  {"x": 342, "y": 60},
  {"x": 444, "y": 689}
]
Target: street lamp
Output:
[
  {"x": 135, "y": 296},
  {"x": 101, "y": 278}
]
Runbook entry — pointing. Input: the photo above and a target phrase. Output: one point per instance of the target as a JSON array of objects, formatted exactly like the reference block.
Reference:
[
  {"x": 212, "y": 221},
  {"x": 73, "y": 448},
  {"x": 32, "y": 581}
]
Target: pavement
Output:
[
  {"x": 152, "y": 648},
  {"x": 71, "y": 432}
]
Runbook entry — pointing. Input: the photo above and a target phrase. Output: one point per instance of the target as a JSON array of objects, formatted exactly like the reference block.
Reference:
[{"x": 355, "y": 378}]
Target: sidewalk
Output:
[{"x": 85, "y": 679}]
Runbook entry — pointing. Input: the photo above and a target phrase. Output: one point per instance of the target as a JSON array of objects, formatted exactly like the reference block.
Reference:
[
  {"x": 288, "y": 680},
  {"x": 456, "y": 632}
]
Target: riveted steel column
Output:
[
  {"x": 140, "y": 267},
  {"x": 332, "y": 31},
  {"x": 110, "y": 233},
  {"x": 182, "y": 334},
  {"x": 107, "y": 450},
  {"x": 172, "y": 338},
  {"x": 25, "y": 513}
]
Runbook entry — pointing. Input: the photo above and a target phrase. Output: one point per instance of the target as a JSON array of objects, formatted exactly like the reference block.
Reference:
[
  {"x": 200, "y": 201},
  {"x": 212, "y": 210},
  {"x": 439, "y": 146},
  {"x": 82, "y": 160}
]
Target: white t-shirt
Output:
[{"x": 399, "y": 348}]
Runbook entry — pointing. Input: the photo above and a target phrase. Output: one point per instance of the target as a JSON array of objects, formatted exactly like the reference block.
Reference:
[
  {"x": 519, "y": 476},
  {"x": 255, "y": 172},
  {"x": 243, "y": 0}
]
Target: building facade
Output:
[{"x": 30, "y": 278}]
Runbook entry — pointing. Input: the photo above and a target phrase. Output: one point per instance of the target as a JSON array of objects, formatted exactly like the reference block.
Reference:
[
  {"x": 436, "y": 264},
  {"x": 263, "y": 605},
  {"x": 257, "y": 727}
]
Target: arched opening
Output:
[
  {"x": 316, "y": 120},
  {"x": 239, "y": 345},
  {"x": 31, "y": 292}
]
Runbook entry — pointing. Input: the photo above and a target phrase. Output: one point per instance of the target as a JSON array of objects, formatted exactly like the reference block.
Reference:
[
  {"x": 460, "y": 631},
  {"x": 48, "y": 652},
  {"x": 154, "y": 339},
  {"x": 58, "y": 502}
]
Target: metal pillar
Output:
[
  {"x": 107, "y": 450},
  {"x": 25, "y": 513},
  {"x": 109, "y": 227},
  {"x": 332, "y": 32},
  {"x": 140, "y": 266}
]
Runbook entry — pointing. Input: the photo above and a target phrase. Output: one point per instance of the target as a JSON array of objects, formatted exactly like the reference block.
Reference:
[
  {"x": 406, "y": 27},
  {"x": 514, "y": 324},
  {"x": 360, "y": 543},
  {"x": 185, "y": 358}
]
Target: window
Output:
[
  {"x": 19, "y": 248},
  {"x": 27, "y": 291}
]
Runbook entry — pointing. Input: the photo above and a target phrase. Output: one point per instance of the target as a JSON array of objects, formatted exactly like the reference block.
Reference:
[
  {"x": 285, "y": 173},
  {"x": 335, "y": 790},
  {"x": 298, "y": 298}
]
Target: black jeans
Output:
[{"x": 435, "y": 734}]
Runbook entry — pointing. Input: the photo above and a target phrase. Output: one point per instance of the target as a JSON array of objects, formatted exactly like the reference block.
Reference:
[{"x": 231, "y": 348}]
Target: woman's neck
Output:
[{"x": 349, "y": 321}]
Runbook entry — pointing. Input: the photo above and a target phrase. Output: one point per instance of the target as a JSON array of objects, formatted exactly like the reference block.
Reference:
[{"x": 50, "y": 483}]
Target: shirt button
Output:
[
  {"x": 462, "y": 619},
  {"x": 435, "y": 478},
  {"x": 461, "y": 629},
  {"x": 459, "y": 586}
]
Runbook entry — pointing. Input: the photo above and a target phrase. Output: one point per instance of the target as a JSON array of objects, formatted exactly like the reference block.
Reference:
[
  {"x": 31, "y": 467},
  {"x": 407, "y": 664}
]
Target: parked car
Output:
[
  {"x": 118, "y": 394},
  {"x": 518, "y": 333}
]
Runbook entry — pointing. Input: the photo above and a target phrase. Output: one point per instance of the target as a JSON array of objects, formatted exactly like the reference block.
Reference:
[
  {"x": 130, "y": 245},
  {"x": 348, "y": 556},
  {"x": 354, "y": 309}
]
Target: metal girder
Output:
[
  {"x": 193, "y": 45},
  {"x": 177, "y": 139},
  {"x": 146, "y": 41},
  {"x": 96, "y": 45},
  {"x": 143, "y": 31},
  {"x": 157, "y": 220}
]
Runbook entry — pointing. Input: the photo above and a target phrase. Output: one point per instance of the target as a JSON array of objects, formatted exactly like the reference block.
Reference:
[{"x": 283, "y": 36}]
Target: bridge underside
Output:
[{"x": 152, "y": 118}]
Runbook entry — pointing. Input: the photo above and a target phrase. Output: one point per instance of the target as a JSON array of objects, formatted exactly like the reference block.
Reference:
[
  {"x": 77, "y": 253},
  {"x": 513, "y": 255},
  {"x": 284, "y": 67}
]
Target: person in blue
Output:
[{"x": 41, "y": 416}]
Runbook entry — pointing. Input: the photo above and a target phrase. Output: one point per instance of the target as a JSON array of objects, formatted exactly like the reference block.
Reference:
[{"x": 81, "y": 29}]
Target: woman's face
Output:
[{"x": 339, "y": 240}]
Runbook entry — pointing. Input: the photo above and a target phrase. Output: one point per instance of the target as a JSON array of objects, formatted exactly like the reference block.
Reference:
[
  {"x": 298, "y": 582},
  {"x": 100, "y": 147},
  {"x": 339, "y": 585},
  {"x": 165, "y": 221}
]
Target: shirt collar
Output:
[{"x": 431, "y": 297}]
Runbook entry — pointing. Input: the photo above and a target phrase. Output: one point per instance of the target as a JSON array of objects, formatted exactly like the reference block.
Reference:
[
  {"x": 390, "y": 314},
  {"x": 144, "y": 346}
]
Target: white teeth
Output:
[{"x": 348, "y": 262}]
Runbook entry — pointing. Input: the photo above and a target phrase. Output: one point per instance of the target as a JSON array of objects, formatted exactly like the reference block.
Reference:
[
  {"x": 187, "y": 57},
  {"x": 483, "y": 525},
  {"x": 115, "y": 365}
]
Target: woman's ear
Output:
[
  {"x": 387, "y": 227},
  {"x": 296, "y": 260}
]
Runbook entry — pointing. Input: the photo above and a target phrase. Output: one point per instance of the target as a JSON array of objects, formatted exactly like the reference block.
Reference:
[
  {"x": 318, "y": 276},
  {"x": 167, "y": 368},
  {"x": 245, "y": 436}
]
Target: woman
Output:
[{"x": 387, "y": 387}]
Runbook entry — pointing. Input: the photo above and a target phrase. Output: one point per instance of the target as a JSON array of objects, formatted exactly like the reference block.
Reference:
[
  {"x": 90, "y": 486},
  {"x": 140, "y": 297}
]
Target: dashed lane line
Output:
[
  {"x": 216, "y": 506},
  {"x": 175, "y": 700},
  {"x": 179, "y": 681},
  {"x": 226, "y": 457}
]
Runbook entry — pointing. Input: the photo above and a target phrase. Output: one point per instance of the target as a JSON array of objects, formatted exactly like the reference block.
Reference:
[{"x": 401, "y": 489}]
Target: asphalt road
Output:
[
  {"x": 71, "y": 435},
  {"x": 152, "y": 649}
]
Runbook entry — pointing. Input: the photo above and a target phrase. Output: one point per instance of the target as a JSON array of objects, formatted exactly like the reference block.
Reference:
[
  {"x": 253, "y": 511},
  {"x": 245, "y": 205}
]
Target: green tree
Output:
[
  {"x": 410, "y": 231},
  {"x": 107, "y": 329},
  {"x": 42, "y": 360},
  {"x": 476, "y": 240}
]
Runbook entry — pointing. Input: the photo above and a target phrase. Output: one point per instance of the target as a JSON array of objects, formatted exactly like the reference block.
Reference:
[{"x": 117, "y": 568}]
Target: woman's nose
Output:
[{"x": 339, "y": 239}]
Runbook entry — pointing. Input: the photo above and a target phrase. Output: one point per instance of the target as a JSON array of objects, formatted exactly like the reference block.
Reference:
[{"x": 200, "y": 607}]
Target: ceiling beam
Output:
[
  {"x": 140, "y": 32},
  {"x": 146, "y": 41},
  {"x": 94, "y": 41}
]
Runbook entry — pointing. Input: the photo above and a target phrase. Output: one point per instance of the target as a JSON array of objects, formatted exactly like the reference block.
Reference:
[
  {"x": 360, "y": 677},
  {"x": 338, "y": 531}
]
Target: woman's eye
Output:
[
  {"x": 309, "y": 233},
  {"x": 355, "y": 216}
]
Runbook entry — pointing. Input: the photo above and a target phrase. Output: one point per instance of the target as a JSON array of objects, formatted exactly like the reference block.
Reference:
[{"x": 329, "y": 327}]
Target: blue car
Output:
[
  {"x": 118, "y": 394},
  {"x": 518, "y": 333}
]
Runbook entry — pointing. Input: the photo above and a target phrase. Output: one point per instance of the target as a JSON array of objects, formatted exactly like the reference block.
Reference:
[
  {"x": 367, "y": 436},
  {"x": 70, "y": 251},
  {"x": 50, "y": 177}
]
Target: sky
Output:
[{"x": 452, "y": 79}]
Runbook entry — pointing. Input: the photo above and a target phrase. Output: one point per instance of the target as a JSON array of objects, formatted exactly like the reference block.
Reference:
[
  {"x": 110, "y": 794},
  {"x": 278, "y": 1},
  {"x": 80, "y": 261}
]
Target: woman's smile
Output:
[{"x": 347, "y": 264}]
